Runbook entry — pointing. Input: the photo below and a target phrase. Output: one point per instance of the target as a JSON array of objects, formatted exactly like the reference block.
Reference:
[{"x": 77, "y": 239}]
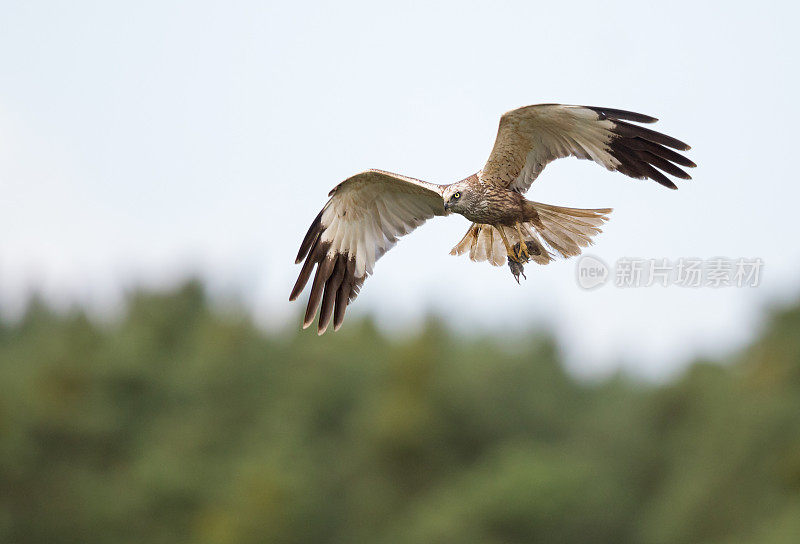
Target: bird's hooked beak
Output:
[{"x": 448, "y": 204}]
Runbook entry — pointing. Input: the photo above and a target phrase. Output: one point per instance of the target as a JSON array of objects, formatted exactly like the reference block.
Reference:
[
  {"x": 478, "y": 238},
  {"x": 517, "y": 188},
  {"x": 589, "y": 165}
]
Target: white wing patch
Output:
[
  {"x": 563, "y": 132},
  {"x": 364, "y": 221}
]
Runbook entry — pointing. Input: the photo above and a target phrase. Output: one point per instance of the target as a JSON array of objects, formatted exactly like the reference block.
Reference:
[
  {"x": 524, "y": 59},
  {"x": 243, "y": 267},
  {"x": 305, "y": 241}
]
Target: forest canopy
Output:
[{"x": 185, "y": 423}]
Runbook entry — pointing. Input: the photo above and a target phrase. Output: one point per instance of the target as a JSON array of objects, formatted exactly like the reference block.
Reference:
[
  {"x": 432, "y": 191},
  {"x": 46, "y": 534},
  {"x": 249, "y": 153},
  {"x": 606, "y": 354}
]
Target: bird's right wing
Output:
[{"x": 363, "y": 219}]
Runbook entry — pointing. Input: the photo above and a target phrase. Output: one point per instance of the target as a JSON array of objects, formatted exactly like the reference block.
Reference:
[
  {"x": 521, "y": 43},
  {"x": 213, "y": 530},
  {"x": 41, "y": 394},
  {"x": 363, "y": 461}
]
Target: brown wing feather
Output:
[{"x": 529, "y": 138}]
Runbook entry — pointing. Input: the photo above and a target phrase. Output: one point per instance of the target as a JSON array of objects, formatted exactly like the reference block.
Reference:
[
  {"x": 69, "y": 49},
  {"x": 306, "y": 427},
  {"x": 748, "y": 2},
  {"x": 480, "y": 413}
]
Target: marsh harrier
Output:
[{"x": 368, "y": 212}]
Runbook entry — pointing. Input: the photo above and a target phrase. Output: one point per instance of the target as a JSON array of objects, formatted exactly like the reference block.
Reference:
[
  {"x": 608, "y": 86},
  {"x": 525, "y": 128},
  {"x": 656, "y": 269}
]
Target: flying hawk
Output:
[{"x": 368, "y": 212}]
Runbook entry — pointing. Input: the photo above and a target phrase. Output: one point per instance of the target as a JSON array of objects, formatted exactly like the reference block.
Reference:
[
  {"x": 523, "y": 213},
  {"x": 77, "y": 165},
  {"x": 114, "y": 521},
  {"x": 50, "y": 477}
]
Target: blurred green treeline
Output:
[{"x": 182, "y": 423}]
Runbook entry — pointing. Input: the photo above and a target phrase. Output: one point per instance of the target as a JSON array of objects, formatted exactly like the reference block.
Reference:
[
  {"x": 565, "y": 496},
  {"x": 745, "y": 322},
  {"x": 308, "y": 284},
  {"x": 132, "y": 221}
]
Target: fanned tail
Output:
[{"x": 549, "y": 230}]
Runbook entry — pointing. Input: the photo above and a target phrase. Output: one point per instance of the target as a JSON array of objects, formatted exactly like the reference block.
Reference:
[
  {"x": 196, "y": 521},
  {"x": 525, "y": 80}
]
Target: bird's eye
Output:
[{"x": 457, "y": 195}]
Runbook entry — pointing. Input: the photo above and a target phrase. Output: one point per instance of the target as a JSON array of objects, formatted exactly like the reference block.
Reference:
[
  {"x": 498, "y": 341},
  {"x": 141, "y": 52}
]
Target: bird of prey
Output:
[{"x": 368, "y": 212}]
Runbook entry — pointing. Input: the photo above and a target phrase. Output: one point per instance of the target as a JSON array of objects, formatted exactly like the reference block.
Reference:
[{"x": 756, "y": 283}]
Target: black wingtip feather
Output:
[
  {"x": 660, "y": 151},
  {"x": 663, "y": 165},
  {"x": 342, "y": 297},
  {"x": 331, "y": 288},
  {"x": 324, "y": 270},
  {"x": 633, "y": 164},
  {"x": 641, "y": 151},
  {"x": 302, "y": 279},
  {"x": 310, "y": 238},
  {"x": 615, "y": 114},
  {"x": 657, "y": 176},
  {"x": 334, "y": 285},
  {"x": 633, "y": 131},
  {"x": 347, "y": 293}
]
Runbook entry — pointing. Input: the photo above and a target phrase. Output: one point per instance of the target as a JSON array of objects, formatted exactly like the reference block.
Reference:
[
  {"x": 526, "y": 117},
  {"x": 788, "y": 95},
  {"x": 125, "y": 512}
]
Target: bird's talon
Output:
[
  {"x": 523, "y": 246},
  {"x": 521, "y": 253}
]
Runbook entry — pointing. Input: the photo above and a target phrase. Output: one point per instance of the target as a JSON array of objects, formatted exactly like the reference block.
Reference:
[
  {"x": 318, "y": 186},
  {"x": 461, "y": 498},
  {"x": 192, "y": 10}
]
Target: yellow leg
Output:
[
  {"x": 509, "y": 249},
  {"x": 523, "y": 247},
  {"x": 514, "y": 262}
]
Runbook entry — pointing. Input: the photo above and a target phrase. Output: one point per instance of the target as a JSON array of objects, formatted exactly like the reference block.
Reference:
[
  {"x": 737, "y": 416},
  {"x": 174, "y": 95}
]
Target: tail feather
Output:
[{"x": 564, "y": 230}]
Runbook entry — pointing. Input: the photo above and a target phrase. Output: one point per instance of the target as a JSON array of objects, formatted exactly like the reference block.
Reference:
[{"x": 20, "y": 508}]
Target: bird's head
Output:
[{"x": 457, "y": 197}]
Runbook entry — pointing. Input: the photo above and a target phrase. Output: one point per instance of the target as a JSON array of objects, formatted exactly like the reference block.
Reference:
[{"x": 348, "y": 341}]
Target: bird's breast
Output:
[{"x": 497, "y": 206}]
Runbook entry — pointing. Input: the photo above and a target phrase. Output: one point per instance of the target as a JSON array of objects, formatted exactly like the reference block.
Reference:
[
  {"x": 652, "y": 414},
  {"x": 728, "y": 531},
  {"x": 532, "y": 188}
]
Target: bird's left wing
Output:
[
  {"x": 531, "y": 137},
  {"x": 363, "y": 219}
]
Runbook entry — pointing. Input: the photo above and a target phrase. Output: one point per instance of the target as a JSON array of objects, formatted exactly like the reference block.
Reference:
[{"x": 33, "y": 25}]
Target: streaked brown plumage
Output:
[{"x": 368, "y": 212}]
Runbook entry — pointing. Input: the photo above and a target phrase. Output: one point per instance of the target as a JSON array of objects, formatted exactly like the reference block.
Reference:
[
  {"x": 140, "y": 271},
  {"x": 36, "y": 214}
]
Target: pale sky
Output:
[{"x": 145, "y": 141}]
